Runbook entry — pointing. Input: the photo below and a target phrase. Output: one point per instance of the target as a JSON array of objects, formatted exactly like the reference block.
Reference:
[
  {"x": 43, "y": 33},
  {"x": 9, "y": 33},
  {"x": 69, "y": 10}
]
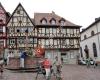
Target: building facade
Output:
[
  {"x": 90, "y": 41},
  {"x": 3, "y": 36},
  {"x": 58, "y": 36},
  {"x": 20, "y": 32}
]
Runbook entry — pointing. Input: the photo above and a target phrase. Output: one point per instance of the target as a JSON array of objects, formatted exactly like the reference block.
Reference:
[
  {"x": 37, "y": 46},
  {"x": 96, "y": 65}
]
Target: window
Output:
[
  {"x": 85, "y": 36},
  {"x": 21, "y": 40},
  {"x": 43, "y": 43},
  {"x": 71, "y": 32},
  {"x": 24, "y": 29},
  {"x": 72, "y": 55},
  {"x": 53, "y": 21},
  {"x": 92, "y": 33},
  {"x": 71, "y": 42},
  {"x": 11, "y": 30},
  {"x": 86, "y": 51},
  {"x": 18, "y": 12},
  {"x": 94, "y": 50},
  {"x": 12, "y": 41},
  {"x": 20, "y": 21},
  {"x": 31, "y": 40},
  {"x": 47, "y": 42},
  {"x": 30, "y": 29},
  {"x": 51, "y": 32},
  {"x": 35, "y": 41},
  {"x": 62, "y": 21},
  {"x": 1, "y": 43},
  {"x": 18, "y": 30},
  {"x": 51, "y": 41},
  {"x": 1, "y": 29},
  {"x": 54, "y": 31},
  {"x": 81, "y": 51},
  {"x": 43, "y": 21},
  {"x": 47, "y": 31},
  {"x": 55, "y": 43}
]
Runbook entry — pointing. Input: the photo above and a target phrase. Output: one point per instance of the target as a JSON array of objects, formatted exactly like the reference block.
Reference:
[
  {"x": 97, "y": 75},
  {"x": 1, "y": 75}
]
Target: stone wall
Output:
[{"x": 14, "y": 63}]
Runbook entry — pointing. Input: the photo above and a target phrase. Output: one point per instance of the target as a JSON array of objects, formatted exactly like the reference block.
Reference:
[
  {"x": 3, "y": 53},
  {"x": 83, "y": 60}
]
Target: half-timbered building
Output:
[
  {"x": 3, "y": 37},
  {"x": 19, "y": 32},
  {"x": 58, "y": 36}
]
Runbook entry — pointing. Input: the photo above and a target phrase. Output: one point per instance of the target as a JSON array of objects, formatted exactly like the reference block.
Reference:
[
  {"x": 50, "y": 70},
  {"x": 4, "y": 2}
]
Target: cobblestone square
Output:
[{"x": 69, "y": 72}]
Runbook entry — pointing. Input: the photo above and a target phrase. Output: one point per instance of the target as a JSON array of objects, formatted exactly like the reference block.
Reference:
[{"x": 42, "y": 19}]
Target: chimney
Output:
[
  {"x": 96, "y": 19},
  {"x": 83, "y": 29},
  {"x": 53, "y": 12}
]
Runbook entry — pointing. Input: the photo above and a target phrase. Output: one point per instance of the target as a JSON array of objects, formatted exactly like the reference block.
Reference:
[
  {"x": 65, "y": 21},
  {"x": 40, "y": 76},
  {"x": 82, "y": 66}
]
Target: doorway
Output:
[{"x": 64, "y": 58}]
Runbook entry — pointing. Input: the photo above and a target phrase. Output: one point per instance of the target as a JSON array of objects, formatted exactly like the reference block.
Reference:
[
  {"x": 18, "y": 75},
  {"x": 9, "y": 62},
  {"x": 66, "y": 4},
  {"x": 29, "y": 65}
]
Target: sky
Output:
[{"x": 80, "y": 12}]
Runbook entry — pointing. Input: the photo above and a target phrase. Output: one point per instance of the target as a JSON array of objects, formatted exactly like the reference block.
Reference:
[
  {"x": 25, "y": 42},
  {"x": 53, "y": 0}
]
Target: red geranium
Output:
[{"x": 39, "y": 51}]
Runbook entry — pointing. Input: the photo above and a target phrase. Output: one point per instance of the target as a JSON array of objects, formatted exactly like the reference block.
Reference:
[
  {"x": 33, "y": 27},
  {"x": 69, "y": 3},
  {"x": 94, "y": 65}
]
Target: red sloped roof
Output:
[{"x": 48, "y": 16}]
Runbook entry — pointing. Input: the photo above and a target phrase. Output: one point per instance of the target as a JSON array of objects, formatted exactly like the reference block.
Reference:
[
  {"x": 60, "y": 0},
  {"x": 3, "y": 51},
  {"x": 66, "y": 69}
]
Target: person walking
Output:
[
  {"x": 94, "y": 63},
  {"x": 47, "y": 67},
  {"x": 88, "y": 63},
  {"x": 57, "y": 68}
]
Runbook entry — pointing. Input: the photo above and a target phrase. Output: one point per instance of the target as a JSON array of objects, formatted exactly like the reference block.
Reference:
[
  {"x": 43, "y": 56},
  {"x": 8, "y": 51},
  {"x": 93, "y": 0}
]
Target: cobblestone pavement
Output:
[{"x": 69, "y": 72}]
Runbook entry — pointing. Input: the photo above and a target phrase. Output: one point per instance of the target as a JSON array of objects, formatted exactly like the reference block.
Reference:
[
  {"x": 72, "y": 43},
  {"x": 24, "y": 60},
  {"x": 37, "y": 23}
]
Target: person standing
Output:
[
  {"x": 1, "y": 67},
  {"x": 47, "y": 67},
  {"x": 8, "y": 56},
  {"x": 22, "y": 59}
]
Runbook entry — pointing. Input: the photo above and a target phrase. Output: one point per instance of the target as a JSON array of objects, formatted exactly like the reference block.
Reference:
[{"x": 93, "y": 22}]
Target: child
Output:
[{"x": 47, "y": 67}]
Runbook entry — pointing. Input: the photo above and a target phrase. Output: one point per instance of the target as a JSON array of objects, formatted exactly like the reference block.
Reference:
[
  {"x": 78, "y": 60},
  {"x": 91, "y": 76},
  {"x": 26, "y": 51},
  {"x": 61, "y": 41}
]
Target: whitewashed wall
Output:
[{"x": 91, "y": 39}]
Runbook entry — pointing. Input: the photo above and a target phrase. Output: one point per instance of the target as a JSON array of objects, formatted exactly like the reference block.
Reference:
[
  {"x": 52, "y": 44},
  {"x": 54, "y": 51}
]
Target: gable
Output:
[{"x": 19, "y": 18}]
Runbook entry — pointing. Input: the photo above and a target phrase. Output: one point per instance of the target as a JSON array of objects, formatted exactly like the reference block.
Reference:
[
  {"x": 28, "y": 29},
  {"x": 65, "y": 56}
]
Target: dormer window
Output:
[
  {"x": 53, "y": 21},
  {"x": 62, "y": 21},
  {"x": 43, "y": 21}
]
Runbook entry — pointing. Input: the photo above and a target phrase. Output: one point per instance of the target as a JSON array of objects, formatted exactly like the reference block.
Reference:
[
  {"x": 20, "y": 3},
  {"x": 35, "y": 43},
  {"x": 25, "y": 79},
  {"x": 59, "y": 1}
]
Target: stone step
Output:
[{"x": 23, "y": 69}]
